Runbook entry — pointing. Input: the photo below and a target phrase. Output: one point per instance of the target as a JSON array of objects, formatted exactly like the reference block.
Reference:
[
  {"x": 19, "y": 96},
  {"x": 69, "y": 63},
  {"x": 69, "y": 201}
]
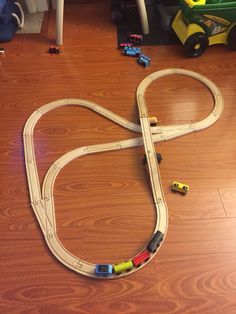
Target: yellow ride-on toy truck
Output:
[{"x": 200, "y": 23}]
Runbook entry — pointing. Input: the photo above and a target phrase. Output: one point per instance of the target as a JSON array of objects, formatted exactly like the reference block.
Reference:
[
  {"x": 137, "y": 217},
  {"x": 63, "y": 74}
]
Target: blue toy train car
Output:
[
  {"x": 103, "y": 270},
  {"x": 131, "y": 51},
  {"x": 144, "y": 60}
]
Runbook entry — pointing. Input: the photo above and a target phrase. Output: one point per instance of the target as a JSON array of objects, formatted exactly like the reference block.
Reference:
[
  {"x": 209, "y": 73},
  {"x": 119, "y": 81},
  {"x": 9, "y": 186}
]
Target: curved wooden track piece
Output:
[{"x": 42, "y": 197}]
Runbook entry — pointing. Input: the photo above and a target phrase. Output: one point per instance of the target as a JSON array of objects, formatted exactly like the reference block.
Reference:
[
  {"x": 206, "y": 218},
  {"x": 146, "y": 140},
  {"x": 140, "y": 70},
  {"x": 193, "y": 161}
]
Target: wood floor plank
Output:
[
  {"x": 201, "y": 236},
  {"x": 184, "y": 283},
  {"x": 228, "y": 197}
]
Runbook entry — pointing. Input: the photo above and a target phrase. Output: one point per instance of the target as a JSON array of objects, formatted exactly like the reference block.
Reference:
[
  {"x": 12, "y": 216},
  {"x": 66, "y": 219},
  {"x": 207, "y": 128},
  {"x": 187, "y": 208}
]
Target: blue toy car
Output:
[
  {"x": 131, "y": 51},
  {"x": 144, "y": 61},
  {"x": 103, "y": 270}
]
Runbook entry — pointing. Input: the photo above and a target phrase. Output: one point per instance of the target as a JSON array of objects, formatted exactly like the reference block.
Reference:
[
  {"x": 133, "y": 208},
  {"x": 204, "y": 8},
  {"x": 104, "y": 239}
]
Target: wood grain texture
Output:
[{"x": 104, "y": 208}]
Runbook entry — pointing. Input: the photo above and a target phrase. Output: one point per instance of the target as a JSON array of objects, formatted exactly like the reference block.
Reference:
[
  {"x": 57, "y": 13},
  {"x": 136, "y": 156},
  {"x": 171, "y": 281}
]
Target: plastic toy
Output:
[
  {"x": 123, "y": 45},
  {"x": 153, "y": 121},
  {"x": 158, "y": 156},
  {"x": 155, "y": 241},
  {"x": 144, "y": 61},
  {"x": 135, "y": 38},
  {"x": 131, "y": 51},
  {"x": 141, "y": 258},
  {"x": 54, "y": 50},
  {"x": 42, "y": 195},
  {"x": 180, "y": 187},
  {"x": 200, "y": 23},
  {"x": 103, "y": 270},
  {"x": 124, "y": 266}
]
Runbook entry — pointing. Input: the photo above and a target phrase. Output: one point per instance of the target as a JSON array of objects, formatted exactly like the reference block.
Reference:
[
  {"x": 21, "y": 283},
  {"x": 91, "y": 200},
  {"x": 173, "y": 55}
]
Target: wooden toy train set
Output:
[{"x": 42, "y": 200}]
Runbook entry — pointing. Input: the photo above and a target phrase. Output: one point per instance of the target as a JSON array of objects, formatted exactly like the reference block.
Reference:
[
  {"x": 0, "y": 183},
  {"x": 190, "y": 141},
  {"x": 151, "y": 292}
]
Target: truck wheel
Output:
[
  {"x": 231, "y": 38},
  {"x": 196, "y": 44}
]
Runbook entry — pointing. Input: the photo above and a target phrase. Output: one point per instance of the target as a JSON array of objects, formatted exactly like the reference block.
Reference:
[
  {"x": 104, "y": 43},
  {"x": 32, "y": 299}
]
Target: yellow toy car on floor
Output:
[{"x": 180, "y": 187}]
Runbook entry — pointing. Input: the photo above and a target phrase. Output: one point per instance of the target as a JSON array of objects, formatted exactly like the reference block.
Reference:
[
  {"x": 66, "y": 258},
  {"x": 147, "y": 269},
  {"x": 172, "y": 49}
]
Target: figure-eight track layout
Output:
[{"x": 42, "y": 199}]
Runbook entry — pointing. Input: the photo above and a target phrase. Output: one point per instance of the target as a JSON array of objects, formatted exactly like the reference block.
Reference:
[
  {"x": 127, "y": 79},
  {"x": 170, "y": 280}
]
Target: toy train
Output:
[{"x": 106, "y": 270}]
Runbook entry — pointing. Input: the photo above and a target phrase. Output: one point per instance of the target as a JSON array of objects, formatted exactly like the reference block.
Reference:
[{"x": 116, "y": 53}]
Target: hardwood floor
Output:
[{"x": 104, "y": 208}]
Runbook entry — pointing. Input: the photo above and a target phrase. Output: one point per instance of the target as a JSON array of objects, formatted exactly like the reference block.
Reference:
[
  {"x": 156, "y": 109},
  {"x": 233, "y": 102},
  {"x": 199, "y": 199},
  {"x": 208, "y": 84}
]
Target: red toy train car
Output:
[{"x": 141, "y": 258}]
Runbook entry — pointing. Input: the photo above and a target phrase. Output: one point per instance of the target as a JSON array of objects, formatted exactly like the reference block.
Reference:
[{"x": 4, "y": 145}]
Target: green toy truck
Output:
[{"x": 200, "y": 23}]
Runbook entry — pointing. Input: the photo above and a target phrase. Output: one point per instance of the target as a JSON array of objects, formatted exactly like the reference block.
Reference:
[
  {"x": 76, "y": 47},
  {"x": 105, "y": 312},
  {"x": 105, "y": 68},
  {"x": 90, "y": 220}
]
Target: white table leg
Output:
[
  {"x": 59, "y": 21},
  {"x": 143, "y": 16}
]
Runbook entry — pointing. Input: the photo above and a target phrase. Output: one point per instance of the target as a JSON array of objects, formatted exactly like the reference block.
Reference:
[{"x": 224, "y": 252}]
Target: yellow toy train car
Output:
[
  {"x": 180, "y": 187},
  {"x": 124, "y": 266}
]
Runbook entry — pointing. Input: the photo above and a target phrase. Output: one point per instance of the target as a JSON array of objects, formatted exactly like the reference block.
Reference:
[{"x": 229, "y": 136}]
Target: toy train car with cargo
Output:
[{"x": 106, "y": 270}]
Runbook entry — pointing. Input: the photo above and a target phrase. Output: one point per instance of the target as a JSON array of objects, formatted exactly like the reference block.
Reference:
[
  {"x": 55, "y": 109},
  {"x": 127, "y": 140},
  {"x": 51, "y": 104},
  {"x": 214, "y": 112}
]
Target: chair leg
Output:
[
  {"x": 143, "y": 16},
  {"x": 59, "y": 21}
]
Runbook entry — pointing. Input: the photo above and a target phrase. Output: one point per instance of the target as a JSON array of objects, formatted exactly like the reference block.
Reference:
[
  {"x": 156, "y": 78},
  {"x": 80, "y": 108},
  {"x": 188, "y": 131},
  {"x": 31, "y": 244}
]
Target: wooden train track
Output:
[{"x": 42, "y": 200}]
